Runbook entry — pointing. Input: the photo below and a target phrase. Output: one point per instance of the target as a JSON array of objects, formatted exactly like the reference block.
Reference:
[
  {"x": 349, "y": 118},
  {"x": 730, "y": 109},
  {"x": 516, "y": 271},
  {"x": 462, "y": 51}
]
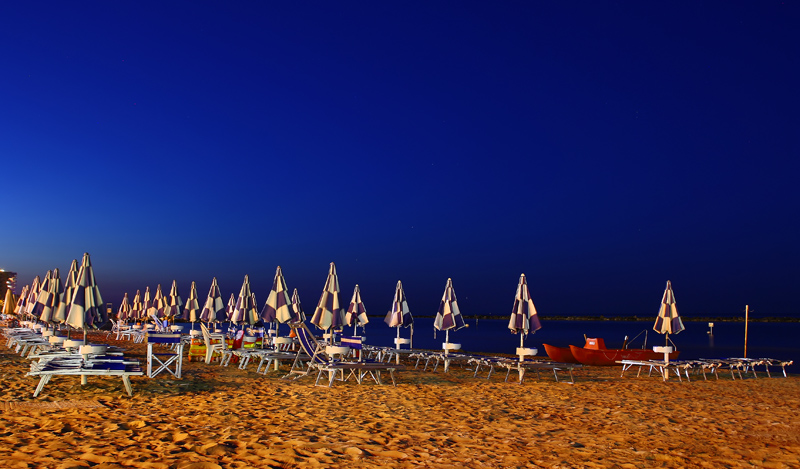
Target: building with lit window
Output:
[{"x": 8, "y": 281}]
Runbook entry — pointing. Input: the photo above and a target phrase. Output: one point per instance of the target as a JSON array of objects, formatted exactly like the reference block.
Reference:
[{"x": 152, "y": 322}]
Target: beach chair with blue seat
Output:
[{"x": 169, "y": 357}]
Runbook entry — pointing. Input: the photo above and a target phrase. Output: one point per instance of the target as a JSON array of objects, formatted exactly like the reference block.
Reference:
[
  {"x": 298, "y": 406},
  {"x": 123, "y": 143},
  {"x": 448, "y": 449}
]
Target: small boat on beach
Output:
[
  {"x": 594, "y": 352},
  {"x": 560, "y": 354}
]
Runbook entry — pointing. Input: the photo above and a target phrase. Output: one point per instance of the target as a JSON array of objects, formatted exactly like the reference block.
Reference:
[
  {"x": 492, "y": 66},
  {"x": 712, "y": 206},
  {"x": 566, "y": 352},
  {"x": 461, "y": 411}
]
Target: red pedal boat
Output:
[
  {"x": 594, "y": 352},
  {"x": 560, "y": 354}
]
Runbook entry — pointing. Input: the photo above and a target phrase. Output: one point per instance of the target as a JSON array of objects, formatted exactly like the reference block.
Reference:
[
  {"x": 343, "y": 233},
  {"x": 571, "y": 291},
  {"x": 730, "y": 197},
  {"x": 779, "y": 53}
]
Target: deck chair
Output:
[{"x": 171, "y": 361}]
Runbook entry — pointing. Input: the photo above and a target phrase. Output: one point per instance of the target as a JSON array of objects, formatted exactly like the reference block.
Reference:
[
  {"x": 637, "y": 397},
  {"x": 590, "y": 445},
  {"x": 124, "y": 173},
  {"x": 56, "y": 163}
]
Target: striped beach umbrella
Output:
[
  {"x": 191, "y": 312},
  {"x": 137, "y": 310},
  {"x": 524, "y": 319},
  {"x": 214, "y": 307},
  {"x": 245, "y": 310},
  {"x": 230, "y": 308},
  {"x": 278, "y": 308},
  {"x": 124, "y": 311},
  {"x": 298, "y": 315},
  {"x": 86, "y": 308},
  {"x": 9, "y": 303},
  {"x": 70, "y": 283},
  {"x": 329, "y": 313},
  {"x": 356, "y": 313},
  {"x": 19, "y": 308},
  {"x": 156, "y": 309},
  {"x": 52, "y": 302},
  {"x": 146, "y": 302},
  {"x": 172, "y": 309},
  {"x": 668, "y": 321},
  {"x": 400, "y": 316},
  {"x": 33, "y": 294},
  {"x": 37, "y": 307},
  {"x": 448, "y": 317}
]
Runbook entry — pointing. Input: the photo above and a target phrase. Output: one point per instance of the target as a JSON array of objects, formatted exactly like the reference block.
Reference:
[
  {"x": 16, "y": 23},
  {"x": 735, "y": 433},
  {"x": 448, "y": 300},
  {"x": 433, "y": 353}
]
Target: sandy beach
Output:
[{"x": 223, "y": 417}]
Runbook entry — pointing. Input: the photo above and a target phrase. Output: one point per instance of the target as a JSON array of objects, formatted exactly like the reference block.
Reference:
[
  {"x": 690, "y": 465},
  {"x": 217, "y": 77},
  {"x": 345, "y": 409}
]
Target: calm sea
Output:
[{"x": 765, "y": 339}]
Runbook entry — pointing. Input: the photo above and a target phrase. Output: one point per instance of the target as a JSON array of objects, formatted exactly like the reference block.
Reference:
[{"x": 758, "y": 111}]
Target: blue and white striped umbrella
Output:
[
  {"x": 329, "y": 313},
  {"x": 124, "y": 311},
  {"x": 172, "y": 308},
  {"x": 524, "y": 319},
  {"x": 37, "y": 308},
  {"x": 400, "y": 316},
  {"x": 278, "y": 307},
  {"x": 86, "y": 308},
  {"x": 156, "y": 309},
  {"x": 214, "y": 308},
  {"x": 146, "y": 302},
  {"x": 137, "y": 311},
  {"x": 33, "y": 294},
  {"x": 70, "y": 283},
  {"x": 19, "y": 309},
  {"x": 230, "y": 308},
  {"x": 356, "y": 313},
  {"x": 298, "y": 315},
  {"x": 52, "y": 302},
  {"x": 668, "y": 321},
  {"x": 448, "y": 317},
  {"x": 191, "y": 312},
  {"x": 245, "y": 309}
]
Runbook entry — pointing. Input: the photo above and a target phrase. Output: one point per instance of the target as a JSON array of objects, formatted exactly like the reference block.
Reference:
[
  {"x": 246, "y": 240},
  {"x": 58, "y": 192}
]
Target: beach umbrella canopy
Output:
[
  {"x": 70, "y": 283},
  {"x": 400, "y": 315},
  {"x": 146, "y": 302},
  {"x": 278, "y": 307},
  {"x": 9, "y": 303},
  {"x": 230, "y": 308},
  {"x": 124, "y": 311},
  {"x": 173, "y": 302},
  {"x": 298, "y": 315},
  {"x": 137, "y": 309},
  {"x": 356, "y": 313},
  {"x": 214, "y": 307},
  {"x": 37, "y": 307},
  {"x": 52, "y": 300},
  {"x": 191, "y": 312},
  {"x": 19, "y": 309},
  {"x": 158, "y": 304},
  {"x": 329, "y": 313},
  {"x": 86, "y": 307},
  {"x": 245, "y": 310},
  {"x": 668, "y": 321},
  {"x": 448, "y": 317},
  {"x": 33, "y": 295},
  {"x": 524, "y": 319}
]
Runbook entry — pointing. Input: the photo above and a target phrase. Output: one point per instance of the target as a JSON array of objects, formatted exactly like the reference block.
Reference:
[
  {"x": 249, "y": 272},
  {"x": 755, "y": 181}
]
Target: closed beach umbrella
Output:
[
  {"x": 9, "y": 303},
  {"x": 668, "y": 321},
  {"x": 173, "y": 302},
  {"x": 400, "y": 316},
  {"x": 70, "y": 283},
  {"x": 298, "y": 315},
  {"x": 33, "y": 294},
  {"x": 37, "y": 307},
  {"x": 137, "y": 310},
  {"x": 191, "y": 312},
  {"x": 524, "y": 319},
  {"x": 356, "y": 313},
  {"x": 245, "y": 309},
  {"x": 230, "y": 308},
  {"x": 146, "y": 301},
  {"x": 52, "y": 302},
  {"x": 278, "y": 307},
  {"x": 448, "y": 317},
  {"x": 86, "y": 308},
  {"x": 329, "y": 313},
  {"x": 124, "y": 311},
  {"x": 19, "y": 309},
  {"x": 214, "y": 307},
  {"x": 158, "y": 304}
]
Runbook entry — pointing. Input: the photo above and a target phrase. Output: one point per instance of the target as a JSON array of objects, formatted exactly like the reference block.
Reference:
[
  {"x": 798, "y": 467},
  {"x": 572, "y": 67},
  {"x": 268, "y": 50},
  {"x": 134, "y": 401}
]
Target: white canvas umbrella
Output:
[
  {"x": 124, "y": 311},
  {"x": 156, "y": 309},
  {"x": 668, "y": 320},
  {"x": 214, "y": 307},
  {"x": 298, "y": 315},
  {"x": 70, "y": 282}
]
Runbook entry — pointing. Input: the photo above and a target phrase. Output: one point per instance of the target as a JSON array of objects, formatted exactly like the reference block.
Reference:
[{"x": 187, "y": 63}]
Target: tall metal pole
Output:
[{"x": 746, "y": 319}]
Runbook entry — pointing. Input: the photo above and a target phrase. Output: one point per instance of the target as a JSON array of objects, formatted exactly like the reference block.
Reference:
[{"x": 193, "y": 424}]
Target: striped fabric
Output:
[
  {"x": 329, "y": 312},
  {"x": 356, "y": 313},
  {"x": 245, "y": 309},
  {"x": 86, "y": 309},
  {"x": 400, "y": 315},
  {"x": 33, "y": 294},
  {"x": 137, "y": 310},
  {"x": 37, "y": 308},
  {"x": 278, "y": 306},
  {"x": 156, "y": 309},
  {"x": 52, "y": 303},
  {"x": 19, "y": 309},
  {"x": 172, "y": 309},
  {"x": 523, "y": 316},
  {"x": 214, "y": 308},
  {"x": 70, "y": 282},
  {"x": 230, "y": 308},
  {"x": 449, "y": 316},
  {"x": 668, "y": 320},
  {"x": 124, "y": 311},
  {"x": 298, "y": 315},
  {"x": 9, "y": 303},
  {"x": 146, "y": 301},
  {"x": 191, "y": 312}
]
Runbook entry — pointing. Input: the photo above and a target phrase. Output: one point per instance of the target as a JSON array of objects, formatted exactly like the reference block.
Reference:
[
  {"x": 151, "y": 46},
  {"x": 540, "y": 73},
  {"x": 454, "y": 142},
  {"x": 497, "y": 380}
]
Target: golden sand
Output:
[{"x": 223, "y": 417}]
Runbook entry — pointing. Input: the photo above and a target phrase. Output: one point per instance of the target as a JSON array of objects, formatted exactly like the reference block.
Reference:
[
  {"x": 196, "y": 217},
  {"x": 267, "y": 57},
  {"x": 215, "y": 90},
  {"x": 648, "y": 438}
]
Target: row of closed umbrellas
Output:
[{"x": 78, "y": 304}]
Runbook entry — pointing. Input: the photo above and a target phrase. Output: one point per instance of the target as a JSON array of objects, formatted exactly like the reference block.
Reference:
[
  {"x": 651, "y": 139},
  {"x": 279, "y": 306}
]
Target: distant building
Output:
[{"x": 8, "y": 281}]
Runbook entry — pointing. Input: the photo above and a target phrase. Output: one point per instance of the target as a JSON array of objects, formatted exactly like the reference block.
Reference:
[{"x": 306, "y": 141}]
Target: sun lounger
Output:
[{"x": 84, "y": 366}]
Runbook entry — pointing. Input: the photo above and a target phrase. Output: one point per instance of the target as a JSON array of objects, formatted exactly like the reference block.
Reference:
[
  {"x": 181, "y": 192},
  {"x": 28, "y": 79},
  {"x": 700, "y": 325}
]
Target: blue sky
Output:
[{"x": 601, "y": 148}]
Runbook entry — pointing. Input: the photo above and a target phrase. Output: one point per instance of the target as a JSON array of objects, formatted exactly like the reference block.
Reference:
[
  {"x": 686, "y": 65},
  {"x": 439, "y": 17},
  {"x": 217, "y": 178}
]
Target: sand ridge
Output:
[{"x": 224, "y": 417}]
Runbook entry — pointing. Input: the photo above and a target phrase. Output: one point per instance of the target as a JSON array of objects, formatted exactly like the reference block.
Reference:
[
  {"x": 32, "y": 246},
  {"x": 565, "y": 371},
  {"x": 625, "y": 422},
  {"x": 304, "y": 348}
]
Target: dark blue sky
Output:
[{"x": 600, "y": 148}]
